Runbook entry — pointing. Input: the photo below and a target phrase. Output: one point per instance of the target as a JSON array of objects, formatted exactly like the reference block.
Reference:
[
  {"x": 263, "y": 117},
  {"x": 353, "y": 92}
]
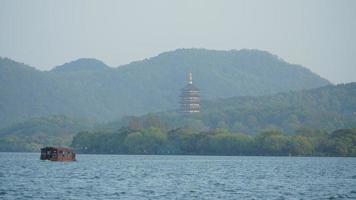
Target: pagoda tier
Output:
[{"x": 190, "y": 98}]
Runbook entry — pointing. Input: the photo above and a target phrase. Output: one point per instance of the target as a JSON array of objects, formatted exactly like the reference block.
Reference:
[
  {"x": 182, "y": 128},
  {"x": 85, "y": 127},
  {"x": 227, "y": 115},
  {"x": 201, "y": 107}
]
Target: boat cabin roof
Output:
[{"x": 57, "y": 148}]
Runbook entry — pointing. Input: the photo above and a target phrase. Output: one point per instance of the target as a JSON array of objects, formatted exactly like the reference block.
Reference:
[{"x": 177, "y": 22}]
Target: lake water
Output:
[{"x": 24, "y": 176}]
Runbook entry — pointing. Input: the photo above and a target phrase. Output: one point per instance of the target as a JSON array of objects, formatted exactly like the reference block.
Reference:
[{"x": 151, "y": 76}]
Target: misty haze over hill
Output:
[
  {"x": 314, "y": 111},
  {"x": 87, "y": 88}
]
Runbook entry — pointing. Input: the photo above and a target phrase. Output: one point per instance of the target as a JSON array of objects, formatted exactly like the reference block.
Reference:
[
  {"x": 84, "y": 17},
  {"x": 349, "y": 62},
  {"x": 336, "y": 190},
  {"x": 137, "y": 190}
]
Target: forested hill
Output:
[
  {"x": 87, "y": 88},
  {"x": 33, "y": 134},
  {"x": 306, "y": 112},
  {"x": 327, "y": 108}
]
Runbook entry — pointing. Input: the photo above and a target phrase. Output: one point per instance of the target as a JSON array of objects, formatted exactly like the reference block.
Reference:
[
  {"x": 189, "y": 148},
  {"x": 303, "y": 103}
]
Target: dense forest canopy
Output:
[
  {"x": 87, "y": 88},
  {"x": 219, "y": 142}
]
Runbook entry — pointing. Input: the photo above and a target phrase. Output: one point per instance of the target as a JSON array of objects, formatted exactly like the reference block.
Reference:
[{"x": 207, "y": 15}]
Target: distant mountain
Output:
[
  {"x": 82, "y": 65},
  {"x": 24, "y": 92},
  {"x": 87, "y": 88}
]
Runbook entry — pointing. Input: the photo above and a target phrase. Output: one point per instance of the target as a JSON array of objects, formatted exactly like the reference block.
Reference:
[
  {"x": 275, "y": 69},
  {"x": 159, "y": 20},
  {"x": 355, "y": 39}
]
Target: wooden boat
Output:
[{"x": 57, "y": 154}]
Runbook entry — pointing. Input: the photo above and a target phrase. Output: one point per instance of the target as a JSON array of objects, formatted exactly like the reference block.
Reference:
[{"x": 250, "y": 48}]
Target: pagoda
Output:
[{"x": 190, "y": 98}]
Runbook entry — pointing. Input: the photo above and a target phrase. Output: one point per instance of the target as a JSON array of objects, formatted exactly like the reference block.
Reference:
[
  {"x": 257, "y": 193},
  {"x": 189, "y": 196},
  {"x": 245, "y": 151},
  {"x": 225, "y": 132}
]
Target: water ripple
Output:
[{"x": 24, "y": 176}]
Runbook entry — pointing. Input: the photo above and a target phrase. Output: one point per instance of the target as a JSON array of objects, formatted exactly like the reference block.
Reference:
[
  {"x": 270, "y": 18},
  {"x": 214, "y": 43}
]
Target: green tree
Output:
[
  {"x": 230, "y": 144},
  {"x": 272, "y": 142},
  {"x": 300, "y": 146},
  {"x": 147, "y": 141},
  {"x": 342, "y": 142}
]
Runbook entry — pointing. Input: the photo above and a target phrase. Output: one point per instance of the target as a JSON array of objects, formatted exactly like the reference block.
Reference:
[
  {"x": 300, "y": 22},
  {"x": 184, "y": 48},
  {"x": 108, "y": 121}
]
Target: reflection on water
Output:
[{"x": 24, "y": 176}]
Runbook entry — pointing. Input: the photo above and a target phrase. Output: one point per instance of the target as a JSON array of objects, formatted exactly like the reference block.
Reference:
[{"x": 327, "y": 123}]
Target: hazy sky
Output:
[{"x": 320, "y": 35}]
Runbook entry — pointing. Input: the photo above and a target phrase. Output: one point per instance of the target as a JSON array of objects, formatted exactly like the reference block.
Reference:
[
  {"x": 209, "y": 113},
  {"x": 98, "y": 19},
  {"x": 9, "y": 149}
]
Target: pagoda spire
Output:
[{"x": 190, "y": 78}]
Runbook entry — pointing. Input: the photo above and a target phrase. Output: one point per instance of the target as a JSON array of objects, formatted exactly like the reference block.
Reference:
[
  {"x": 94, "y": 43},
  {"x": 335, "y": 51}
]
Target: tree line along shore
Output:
[{"x": 183, "y": 141}]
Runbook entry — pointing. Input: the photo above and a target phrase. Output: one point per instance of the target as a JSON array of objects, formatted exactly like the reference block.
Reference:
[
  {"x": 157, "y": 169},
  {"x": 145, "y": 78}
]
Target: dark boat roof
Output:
[{"x": 57, "y": 148}]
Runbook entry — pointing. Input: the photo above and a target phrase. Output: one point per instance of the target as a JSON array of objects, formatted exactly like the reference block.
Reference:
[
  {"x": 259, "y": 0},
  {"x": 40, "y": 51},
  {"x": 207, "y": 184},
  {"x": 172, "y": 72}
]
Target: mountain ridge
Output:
[
  {"x": 81, "y": 64},
  {"x": 150, "y": 85}
]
